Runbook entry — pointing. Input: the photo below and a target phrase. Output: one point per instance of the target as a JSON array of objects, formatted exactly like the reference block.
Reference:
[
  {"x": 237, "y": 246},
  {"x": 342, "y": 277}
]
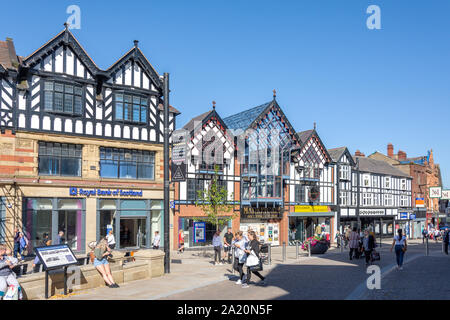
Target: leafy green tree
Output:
[{"x": 214, "y": 202}]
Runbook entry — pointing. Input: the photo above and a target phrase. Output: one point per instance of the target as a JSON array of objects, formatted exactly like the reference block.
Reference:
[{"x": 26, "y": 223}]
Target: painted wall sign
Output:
[
  {"x": 73, "y": 191},
  {"x": 311, "y": 209},
  {"x": 261, "y": 213}
]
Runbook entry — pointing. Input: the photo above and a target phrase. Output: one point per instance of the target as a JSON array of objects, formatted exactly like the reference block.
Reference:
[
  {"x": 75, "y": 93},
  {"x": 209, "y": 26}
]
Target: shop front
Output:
[
  {"x": 307, "y": 221},
  {"x": 264, "y": 221},
  {"x": 198, "y": 232}
]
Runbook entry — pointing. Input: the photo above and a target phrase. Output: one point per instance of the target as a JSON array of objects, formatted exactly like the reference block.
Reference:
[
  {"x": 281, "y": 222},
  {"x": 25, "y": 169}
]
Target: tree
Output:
[{"x": 214, "y": 201}]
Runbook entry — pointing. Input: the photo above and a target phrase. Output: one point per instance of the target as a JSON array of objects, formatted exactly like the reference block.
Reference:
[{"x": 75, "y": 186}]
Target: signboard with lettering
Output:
[
  {"x": 56, "y": 256},
  {"x": 403, "y": 215},
  {"x": 199, "y": 232},
  {"x": 178, "y": 173},
  {"x": 261, "y": 213},
  {"x": 372, "y": 212},
  {"x": 311, "y": 209},
  {"x": 435, "y": 192},
  {"x": 445, "y": 195},
  {"x": 179, "y": 149},
  {"x": 73, "y": 191},
  {"x": 420, "y": 202},
  {"x": 412, "y": 216}
]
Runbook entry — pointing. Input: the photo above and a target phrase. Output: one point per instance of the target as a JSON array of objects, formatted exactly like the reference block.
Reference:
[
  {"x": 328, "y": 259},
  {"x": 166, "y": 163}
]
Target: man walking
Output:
[{"x": 227, "y": 240}]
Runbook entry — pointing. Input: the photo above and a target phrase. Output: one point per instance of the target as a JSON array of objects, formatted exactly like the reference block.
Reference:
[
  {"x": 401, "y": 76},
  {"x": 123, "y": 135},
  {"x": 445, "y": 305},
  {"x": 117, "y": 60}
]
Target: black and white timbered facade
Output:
[{"x": 59, "y": 89}]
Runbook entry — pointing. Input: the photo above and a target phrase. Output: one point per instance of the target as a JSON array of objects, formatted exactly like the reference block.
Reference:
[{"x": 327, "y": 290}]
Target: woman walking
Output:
[
  {"x": 368, "y": 245},
  {"x": 101, "y": 252},
  {"x": 217, "y": 244},
  {"x": 253, "y": 246},
  {"x": 181, "y": 241},
  {"x": 354, "y": 243},
  {"x": 239, "y": 255},
  {"x": 400, "y": 248}
]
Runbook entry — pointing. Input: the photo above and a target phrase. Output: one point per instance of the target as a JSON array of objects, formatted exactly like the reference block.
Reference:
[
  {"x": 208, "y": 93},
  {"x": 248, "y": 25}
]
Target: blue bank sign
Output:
[{"x": 104, "y": 192}]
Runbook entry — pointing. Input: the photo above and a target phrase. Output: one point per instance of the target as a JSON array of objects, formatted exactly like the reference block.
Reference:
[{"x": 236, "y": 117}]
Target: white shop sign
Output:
[{"x": 372, "y": 212}]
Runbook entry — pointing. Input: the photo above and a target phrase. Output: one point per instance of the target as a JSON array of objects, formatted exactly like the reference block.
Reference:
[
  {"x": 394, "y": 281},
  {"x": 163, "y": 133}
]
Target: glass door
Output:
[{"x": 133, "y": 232}]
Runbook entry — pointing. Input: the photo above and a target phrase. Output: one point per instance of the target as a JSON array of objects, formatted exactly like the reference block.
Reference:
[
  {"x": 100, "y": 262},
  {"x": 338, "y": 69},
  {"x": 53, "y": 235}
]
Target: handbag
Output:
[
  {"x": 375, "y": 256},
  {"x": 252, "y": 259},
  {"x": 258, "y": 267}
]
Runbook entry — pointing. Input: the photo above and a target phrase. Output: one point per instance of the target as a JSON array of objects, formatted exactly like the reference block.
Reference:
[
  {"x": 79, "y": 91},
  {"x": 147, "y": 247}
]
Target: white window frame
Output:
[
  {"x": 344, "y": 173},
  {"x": 403, "y": 184},
  {"x": 388, "y": 200},
  {"x": 403, "y": 201},
  {"x": 387, "y": 183},
  {"x": 367, "y": 199},
  {"x": 366, "y": 178},
  {"x": 374, "y": 182}
]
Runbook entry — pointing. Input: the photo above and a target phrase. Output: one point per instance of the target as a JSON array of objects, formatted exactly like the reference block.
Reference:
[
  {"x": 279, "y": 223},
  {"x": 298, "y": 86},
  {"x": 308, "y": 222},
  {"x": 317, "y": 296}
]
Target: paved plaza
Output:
[{"x": 328, "y": 276}]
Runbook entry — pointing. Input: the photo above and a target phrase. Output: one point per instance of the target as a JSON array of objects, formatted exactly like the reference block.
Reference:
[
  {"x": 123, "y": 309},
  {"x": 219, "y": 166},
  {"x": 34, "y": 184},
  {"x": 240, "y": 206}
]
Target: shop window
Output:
[
  {"x": 70, "y": 221},
  {"x": 65, "y": 98},
  {"x": 245, "y": 191},
  {"x": 156, "y": 214},
  {"x": 59, "y": 159},
  {"x": 2, "y": 220},
  {"x": 37, "y": 219},
  {"x": 127, "y": 164},
  {"x": 131, "y": 108}
]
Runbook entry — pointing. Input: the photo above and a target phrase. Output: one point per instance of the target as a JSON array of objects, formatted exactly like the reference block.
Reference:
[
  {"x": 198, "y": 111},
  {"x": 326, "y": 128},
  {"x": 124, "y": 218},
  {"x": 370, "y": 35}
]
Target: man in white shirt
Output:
[
  {"x": 111, "y": 240},
  {"x": 156, "y": 240}
]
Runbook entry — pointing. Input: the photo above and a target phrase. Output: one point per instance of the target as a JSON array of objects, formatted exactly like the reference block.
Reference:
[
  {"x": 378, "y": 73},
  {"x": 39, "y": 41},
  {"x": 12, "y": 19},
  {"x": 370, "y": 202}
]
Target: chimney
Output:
[
  {"x": 401, "y": 155},
  {"x": 390, "y": 150},
  {"x": 358, "y": 153},
  {"x": 362, "y": 154}
]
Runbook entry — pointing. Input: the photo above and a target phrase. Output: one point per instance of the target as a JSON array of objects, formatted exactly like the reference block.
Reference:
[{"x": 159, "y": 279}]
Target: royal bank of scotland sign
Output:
[{"x": 435, "y": 192}]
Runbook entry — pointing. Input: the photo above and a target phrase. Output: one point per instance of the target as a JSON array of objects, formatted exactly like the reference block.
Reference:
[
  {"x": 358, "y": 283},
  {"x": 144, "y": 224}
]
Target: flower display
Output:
[{"x": 313, "y": 241}]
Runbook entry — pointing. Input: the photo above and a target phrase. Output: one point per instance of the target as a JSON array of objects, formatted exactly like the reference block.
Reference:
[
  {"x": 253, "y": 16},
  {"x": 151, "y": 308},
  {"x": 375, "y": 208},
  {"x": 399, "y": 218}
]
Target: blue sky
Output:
[{"x": 364, "y": 88}]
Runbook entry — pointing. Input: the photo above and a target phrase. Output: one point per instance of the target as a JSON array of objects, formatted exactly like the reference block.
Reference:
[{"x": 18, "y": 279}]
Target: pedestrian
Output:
[
  {"x": 59, "y": 237},
  {"x": 436, "y": 235},
  {"x": 424, "y": 234},
  {"x": 101, "y": 253},
  {"x": 227, "y": 240},
  {"x": 240, "y": 256},
  {"x": 16, "y": 242},
  {"x": 446, "y": 239},
  {"x": 217, "y": 244},
  {"x": 181, "y": 241},
  {"x": 7, "y": 275},
  {"x": 252, "y": 248},
  {"x": 23, "y": 244},
  {"x": 338, "y": 238},
  {"x": 45, "y": 242},
  {"x": 368, "y": 246},
  {"x": 400, "y": 248},
  {"x": 360, "y": 249},
  {"x": 156, "y": 240},
  {"x": 111, "y": 239},
  {"x": 354, "y": 243},
  {"x": 347, "y": 236}
]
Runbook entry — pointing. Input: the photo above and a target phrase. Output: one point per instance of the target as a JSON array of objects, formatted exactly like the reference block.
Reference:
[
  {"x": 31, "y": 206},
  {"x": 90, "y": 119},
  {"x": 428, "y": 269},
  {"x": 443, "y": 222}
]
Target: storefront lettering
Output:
[
  {"x": 100, "y": 192},
  {"x": 373, "y": 212},
  {"x": 262, "y": 213}
]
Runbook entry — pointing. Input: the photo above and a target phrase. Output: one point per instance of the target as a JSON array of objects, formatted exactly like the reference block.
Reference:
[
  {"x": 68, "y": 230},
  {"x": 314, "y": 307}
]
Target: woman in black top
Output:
[{"x": 252, "y": 245}]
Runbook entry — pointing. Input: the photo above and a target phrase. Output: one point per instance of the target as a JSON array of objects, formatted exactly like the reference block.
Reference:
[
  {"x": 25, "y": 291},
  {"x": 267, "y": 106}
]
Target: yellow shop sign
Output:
[{"x": 311, "y": 209}]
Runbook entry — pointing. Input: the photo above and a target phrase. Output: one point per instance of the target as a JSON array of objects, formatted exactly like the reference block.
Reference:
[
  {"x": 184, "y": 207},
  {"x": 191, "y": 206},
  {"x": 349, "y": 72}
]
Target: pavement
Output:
[{"x": 328, "y": 276}]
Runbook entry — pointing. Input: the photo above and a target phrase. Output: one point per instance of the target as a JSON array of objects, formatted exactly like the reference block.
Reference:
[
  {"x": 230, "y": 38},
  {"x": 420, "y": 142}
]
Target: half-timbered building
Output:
[{"x": 82, "y": 147}]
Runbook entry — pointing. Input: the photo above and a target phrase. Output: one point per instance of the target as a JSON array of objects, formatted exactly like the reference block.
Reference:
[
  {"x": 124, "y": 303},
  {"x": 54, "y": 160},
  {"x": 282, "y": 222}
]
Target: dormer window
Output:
[
  {"x": 61, "y": 97},
  {"x": 131, "y": 108}
]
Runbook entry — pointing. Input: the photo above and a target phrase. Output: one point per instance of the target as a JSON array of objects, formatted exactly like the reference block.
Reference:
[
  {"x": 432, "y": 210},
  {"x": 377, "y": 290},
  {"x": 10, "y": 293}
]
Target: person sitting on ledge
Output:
[{"x": 101, "y": 252}]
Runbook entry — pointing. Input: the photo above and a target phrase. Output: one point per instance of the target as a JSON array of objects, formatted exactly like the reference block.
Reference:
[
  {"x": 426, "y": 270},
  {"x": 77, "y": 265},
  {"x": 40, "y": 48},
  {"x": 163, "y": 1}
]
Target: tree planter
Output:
[{"x": 319, "y": 248}]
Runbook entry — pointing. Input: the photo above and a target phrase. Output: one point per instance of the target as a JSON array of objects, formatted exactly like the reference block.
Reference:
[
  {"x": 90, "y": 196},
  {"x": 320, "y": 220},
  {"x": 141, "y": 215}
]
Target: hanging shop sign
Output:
[
  {"x": 435, "y": 192},
  {"x": 445, "y": 195},
  {"x": 73, "y": 191},
  {"x": 420, "y": 202},
  {"x": 261, "y": 213},
  {"x": 403, "y": 215},
  {"x": 314, "y": 193},
  {"x": 311, "y": 209}
]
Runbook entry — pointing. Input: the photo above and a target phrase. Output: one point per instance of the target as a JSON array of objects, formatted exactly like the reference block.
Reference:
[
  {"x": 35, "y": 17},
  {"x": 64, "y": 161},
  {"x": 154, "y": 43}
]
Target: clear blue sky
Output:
[{"x": 364, "y": 88}]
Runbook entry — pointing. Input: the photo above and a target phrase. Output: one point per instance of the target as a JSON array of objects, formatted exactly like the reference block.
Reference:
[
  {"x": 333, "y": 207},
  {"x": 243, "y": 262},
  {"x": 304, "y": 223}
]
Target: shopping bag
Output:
[
  {"x": 258, "y": 267},
  {"x": 12, "y": 293},
  {"x": 252, "y": 260}
]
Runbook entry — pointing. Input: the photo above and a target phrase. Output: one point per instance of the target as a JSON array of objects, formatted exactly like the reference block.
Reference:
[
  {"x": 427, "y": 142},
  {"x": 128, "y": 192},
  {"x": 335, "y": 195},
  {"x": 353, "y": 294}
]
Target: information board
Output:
[
  {"x": 56, "y": 256},
  {"x": 199, "y": 232}
]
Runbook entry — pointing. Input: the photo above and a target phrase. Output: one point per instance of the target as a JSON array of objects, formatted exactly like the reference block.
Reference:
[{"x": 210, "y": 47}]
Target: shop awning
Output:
[{"x": 311, "y": 214}]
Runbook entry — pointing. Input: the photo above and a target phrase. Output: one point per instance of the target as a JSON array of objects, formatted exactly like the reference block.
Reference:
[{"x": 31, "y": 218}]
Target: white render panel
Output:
[
  {"x": 22, "y": 101},
  {"x": 351, "y": 212},
  {"x": 144, "y": 134},
  {"x": 59, "y": 60},
  {"x": 46, "y": 123},
  {"x": 137, "y": 76},
  {"x": 35, "y": 101},
  {"x": 183, "y": 191},
  {"x": 57, "y": 124},
  {"x": 128, "y": 74},
  {"x": 22, "y": 120},
  {"x": 68, "y": 125},
  {"x": 35, "y": 90},
  {"x": 48, "y": 63},
  {"x": 69, "y": 62},
  {"x": 230, "y": 190},
  {"x": 145, "y": 81},
  {"x": 117, "y": 131},
  {"x": 136, "y": 133},
  {"x": 292, "y": 193},
  {"x": 79, "y": 126},
  {"x": 80, "y": 69},
  {"x": 119, "y": 76},
  {"x": 152, "y": 135},
  {"x": 98, "y": 129},
  {"x": 126, "y": 132},
  {"x": 99, "y": 111},
  {"x": 108, "y": 130},
  {"x": 89, "y": 128},
  {"x": 35, "y": 122}
]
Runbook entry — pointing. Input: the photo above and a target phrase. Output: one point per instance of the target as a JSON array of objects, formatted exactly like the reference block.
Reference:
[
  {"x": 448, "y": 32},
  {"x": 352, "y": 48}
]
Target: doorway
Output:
[{"x": 133, "y": 232}]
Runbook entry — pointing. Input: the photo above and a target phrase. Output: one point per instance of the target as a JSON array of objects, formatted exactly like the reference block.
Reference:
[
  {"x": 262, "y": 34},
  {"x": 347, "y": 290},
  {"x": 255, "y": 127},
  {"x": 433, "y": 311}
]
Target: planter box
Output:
[{"x": 319, "y": 248}]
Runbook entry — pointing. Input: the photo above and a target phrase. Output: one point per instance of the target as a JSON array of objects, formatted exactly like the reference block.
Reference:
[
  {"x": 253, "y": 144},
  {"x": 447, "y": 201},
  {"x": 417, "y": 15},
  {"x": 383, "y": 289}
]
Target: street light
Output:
[{"x": 166, "y": 175}]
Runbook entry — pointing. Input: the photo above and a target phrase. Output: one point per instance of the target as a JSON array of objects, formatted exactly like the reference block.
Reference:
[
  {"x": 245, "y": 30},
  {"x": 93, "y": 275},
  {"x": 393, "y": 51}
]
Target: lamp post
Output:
[
  {"x": 166, "y": 175},
  {"x": 357, "y": 193}
]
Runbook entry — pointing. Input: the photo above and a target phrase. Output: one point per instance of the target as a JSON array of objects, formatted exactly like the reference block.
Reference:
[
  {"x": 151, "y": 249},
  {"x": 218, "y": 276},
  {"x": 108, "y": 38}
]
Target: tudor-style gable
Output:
[{"x": 312, "y": 152}]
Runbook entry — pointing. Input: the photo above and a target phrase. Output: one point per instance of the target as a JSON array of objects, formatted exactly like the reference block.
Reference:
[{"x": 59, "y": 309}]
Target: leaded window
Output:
[
  {"x": 300, "y": 193},
  {"x": 131, "y": 108},
  {"x": 59, "y": 159},
  {"x": 62, "y": 97},
  {"x": 127, "y": 164}
]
